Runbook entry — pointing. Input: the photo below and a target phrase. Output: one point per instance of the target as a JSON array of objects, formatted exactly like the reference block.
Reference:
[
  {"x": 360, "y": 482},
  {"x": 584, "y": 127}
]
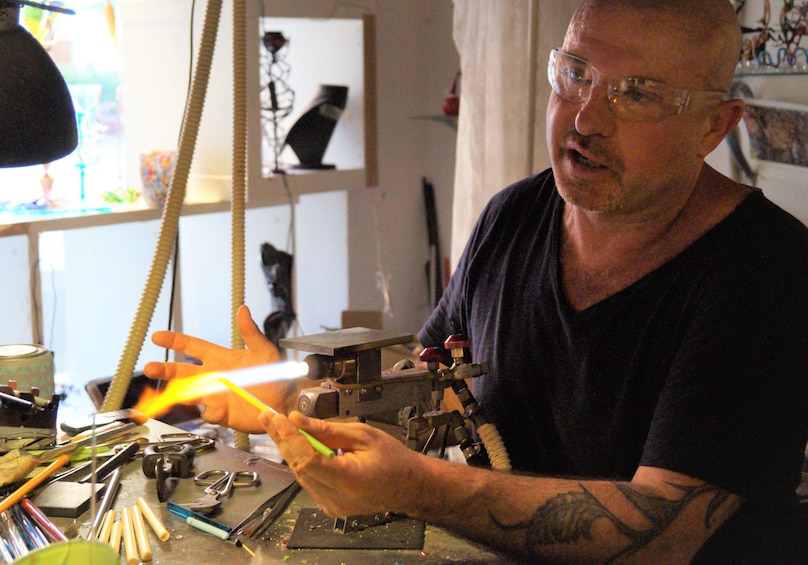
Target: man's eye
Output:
[
  {"x": 575, "y": 75},
  {"x": 631, "y": 91},
  {"x": 636, "y": 96}
]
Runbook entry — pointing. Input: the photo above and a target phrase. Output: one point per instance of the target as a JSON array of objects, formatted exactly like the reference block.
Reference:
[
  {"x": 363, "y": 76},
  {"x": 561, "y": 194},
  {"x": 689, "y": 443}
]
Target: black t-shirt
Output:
[{"x": 700, "y": 367}]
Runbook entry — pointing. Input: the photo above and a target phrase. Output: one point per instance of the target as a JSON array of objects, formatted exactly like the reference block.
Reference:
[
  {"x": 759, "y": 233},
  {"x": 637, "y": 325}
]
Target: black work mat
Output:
[
  {"x": 66, "y": 499},
  {"x": 314, "y": 530}
]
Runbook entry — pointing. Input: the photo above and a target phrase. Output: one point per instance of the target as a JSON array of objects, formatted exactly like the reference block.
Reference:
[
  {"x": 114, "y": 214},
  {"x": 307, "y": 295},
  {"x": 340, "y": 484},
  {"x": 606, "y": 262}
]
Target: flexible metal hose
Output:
[
  {"x": 494, "y": 446},
  {"x": 238, "y": 196},
  {"x": 171, "y": 213},
  {"x": 497, "y": 454}
]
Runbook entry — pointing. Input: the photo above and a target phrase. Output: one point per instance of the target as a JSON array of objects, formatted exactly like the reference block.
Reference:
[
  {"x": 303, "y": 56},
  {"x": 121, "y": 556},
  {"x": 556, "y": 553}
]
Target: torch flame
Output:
[{"x": 190, "y": 389}]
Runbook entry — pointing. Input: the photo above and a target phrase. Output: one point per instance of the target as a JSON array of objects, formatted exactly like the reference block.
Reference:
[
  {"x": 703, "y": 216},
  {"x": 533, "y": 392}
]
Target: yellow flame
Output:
[{"x": 191, "y": 389}]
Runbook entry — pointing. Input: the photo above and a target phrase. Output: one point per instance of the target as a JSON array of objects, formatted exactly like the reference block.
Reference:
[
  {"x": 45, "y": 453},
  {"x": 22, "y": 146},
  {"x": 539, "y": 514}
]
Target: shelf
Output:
[
  {"x": 450, "y": 121},
  {"x": 313, "y": 61},
  {"x": 772, "y": 72},
  {"x": 270, "y": 192}
]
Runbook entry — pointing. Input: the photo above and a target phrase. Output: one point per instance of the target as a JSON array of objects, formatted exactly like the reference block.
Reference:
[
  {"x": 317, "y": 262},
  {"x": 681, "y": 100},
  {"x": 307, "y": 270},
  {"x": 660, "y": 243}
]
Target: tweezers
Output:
[{"x": 276, "y": 506}]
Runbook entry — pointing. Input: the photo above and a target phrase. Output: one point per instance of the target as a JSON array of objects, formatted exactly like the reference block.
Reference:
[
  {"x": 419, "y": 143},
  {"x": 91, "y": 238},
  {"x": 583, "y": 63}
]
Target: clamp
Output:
[{"x": 166, "y": 463}]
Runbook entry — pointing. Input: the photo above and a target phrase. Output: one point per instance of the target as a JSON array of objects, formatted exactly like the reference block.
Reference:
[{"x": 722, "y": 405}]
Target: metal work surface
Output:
[
  {"x": 189, "y": 545},
  {"x": 347, "y": 340}
]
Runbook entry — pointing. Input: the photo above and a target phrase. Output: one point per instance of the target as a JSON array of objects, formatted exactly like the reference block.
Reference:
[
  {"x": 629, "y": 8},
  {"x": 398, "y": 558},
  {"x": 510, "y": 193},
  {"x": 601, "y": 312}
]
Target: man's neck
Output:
[{"x": 602, "y": 254}]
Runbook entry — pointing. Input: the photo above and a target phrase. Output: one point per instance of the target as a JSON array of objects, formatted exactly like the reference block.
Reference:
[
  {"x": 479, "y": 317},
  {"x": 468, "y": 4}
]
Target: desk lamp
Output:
[{"x": 37, "y": 119}]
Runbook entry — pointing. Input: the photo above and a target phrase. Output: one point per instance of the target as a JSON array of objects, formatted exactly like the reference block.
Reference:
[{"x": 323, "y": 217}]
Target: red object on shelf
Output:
[{"x": 451, "y": 104}]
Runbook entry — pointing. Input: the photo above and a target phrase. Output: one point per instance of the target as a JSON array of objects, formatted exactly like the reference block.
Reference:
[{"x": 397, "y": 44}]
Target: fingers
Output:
[
  {"x": 340, "y": 485},
  {"x": 293, "y": 445},
  {"x": 170, "y": 370},
  {"x": 215, "y": 357},
  {"x": 155, "y": 370},
  {"x": 281, "y": 430},
  {"x": 344, "y": 435},
  {"x": 215, "y": 415},
  {"x": 253, "y": 337},
  {"x": 190, "y": 346},
  {"x": 285, "y": 431}
]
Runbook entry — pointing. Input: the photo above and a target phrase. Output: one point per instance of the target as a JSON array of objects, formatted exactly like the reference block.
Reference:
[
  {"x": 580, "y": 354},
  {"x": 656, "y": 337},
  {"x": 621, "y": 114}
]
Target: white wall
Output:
[
  {"x": 416, "y": 64},
  {"x": 16, "y": 301},
  {"x": 321, "y": 258}
]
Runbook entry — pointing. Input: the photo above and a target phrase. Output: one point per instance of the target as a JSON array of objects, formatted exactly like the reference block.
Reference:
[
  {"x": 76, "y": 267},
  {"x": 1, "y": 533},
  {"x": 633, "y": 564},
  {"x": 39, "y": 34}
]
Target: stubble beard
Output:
[{"x": 590, "y": 196}]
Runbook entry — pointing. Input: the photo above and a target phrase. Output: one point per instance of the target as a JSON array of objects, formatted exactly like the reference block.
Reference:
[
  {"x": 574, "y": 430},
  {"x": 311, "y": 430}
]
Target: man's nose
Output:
[{"x": 595, "y": 113}]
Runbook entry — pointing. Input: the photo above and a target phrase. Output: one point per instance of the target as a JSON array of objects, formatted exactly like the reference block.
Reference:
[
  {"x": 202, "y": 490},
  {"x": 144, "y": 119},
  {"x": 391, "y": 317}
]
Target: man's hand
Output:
[
  {"x": 226, "y": 409},
  {"x": 362, "y": 479}
]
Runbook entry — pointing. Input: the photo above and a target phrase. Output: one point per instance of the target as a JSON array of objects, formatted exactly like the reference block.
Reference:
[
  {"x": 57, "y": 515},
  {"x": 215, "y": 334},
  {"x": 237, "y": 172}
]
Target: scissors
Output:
[
  {"x": 219, "y": 484},
  {"x": 198, "y": 443}
]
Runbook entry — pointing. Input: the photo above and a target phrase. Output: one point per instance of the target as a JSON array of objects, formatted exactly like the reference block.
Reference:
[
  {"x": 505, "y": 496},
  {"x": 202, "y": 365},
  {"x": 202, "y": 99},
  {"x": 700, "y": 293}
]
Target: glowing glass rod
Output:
[{"x": 314, "y": 442}]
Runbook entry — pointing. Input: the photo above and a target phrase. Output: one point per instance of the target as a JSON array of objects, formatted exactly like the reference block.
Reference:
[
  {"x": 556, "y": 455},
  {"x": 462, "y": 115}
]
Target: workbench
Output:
[{"x": 189, "y": 545}]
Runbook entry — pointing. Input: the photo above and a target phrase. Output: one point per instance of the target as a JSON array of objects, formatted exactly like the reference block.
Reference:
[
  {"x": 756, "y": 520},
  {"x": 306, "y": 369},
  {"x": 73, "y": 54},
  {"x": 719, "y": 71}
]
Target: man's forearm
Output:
[{"x": 564, "y": 520}]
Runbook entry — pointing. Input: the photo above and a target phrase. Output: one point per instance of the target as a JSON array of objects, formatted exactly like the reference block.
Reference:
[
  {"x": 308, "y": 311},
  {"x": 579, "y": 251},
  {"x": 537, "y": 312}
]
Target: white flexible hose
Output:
[
  {"x": 238, "y": 193},
  {"x": 497, "y": 454},
  {"x": 171, "y": 213}
]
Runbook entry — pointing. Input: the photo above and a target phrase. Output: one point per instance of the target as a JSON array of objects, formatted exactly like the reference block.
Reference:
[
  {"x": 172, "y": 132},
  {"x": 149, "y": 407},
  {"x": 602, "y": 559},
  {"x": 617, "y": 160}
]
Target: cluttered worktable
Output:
[
  {"x": 181, "y": 497},
  {"x": 299, "y": 533}
]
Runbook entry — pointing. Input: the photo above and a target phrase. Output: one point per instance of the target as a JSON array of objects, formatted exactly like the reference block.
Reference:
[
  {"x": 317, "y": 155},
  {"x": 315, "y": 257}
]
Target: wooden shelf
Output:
[{"x": 270, "y": 192}]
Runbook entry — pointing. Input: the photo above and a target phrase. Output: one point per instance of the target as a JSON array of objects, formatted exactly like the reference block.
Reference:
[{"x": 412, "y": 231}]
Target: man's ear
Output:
[{"x": 720, "y": 122}]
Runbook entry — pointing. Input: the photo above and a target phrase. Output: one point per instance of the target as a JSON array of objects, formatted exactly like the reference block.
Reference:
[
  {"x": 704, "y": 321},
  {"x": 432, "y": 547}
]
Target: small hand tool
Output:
[
  {"x": 167, "y": 463},
  {"x": 280, "y": 503},
  {"x": 199, "y": 518},
  {"x": 106, "y": 502},
  {"x": 123, "y": 455},
  {"x": 199, "y": 443},
  {"x": 219, "y": 484},
  {"x": 16, "y": 465}
]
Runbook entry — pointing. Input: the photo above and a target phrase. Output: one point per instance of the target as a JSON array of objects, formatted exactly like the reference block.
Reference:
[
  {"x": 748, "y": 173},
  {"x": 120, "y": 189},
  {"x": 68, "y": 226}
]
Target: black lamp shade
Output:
[
  {"x": 310, "y": 134},
  {"x": 37, "y": 119}
]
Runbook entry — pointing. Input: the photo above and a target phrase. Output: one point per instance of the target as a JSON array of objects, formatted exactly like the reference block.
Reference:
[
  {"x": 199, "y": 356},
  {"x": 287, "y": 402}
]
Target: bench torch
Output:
[{"x": 348, "y": 362}]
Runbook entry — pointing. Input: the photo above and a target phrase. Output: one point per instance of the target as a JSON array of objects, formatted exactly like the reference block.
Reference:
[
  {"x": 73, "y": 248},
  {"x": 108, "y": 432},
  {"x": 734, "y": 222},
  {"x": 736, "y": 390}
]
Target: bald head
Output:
[{"x": 707, "y": 32}]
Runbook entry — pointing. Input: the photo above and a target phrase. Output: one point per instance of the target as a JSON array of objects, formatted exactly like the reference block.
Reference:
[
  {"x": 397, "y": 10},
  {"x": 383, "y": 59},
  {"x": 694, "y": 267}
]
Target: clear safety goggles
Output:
[{"x": 630, "y": 98}]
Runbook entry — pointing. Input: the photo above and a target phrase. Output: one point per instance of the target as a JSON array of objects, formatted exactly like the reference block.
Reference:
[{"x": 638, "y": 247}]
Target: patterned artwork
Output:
[{"x": 777, "y": 132}]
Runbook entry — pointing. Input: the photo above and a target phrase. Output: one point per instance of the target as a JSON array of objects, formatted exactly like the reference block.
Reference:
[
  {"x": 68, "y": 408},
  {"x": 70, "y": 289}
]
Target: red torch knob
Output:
[
  {"x": 457, "y": 344},
  {"x": 432, "y": 356},
  {"x": 456, "y": 341}
]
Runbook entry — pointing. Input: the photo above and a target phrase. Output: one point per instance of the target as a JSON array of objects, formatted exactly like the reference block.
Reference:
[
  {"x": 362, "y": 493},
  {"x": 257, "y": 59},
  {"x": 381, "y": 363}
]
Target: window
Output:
[{"x": 83, "y": 47}]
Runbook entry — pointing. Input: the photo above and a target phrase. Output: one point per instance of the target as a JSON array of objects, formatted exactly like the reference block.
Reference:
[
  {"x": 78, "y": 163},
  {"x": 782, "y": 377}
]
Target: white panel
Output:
[
  {"x": 52, "y": 275},
  {"x": 105, "y": 272},
  {"x": 15, "y": 303},
  {"x": 205, "y": 276},
  {"x": 322, "y": 261}
]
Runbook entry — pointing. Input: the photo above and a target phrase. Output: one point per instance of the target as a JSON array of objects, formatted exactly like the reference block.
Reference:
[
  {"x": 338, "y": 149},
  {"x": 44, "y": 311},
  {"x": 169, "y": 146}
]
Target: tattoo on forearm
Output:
[{"x": 569, "y": 517}]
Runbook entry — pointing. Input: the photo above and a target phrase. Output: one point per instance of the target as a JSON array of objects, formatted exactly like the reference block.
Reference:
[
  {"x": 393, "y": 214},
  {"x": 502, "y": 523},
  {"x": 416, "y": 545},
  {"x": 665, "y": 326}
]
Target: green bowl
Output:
[{"x": 72, "y": 552}]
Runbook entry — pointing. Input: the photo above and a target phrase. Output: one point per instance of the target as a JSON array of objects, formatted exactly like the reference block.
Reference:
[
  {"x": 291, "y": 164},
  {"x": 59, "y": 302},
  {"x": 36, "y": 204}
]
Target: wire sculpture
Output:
[
  {"x": 769, "y": 48},
  {"x": 277, "y": 97}
]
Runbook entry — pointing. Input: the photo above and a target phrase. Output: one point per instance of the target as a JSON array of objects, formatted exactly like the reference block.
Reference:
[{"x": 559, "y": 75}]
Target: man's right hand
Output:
[{"x": 227, "y": 409}]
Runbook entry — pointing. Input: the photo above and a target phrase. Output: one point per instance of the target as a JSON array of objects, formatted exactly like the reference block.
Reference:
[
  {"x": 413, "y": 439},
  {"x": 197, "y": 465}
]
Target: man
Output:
[{"x": 645, "y": 320}]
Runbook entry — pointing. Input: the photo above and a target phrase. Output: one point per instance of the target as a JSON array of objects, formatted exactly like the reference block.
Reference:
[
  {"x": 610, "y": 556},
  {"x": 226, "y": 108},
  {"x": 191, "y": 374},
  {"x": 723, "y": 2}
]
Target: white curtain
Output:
[{"x": 503, "y": 48}]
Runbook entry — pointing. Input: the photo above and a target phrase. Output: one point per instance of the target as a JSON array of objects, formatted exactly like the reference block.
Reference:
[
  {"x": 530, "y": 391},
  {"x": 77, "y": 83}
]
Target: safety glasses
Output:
[{"x": 630, "y": 98}]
